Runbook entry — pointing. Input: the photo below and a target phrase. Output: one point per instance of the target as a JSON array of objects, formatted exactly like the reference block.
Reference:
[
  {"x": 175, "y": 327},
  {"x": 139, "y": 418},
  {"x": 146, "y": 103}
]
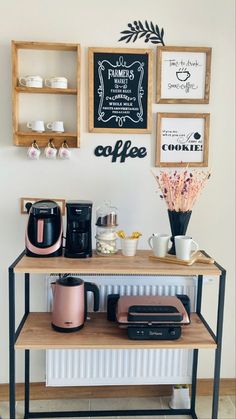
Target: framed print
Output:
[
  {"x": 120, "y": 90},
  {"x": 183, "y": 74},
  {"x": 182, "y": 139}
]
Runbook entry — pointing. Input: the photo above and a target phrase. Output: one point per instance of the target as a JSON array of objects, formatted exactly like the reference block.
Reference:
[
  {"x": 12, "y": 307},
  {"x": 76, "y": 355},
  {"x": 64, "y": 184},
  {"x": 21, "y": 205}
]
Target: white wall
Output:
[{"x": 129, "y": 186}]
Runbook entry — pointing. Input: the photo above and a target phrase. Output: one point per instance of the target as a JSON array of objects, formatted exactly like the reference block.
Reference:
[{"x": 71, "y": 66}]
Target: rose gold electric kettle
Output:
[{"x": 70, "y": 303}]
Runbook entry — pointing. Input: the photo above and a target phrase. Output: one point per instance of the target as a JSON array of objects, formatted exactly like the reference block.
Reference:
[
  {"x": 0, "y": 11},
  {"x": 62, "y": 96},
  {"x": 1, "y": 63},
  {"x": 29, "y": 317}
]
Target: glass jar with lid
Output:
[
  {"x": 106, "y": 240},
  {"x": 106, "y": 215},
  {"x": 106, "y": 222}
]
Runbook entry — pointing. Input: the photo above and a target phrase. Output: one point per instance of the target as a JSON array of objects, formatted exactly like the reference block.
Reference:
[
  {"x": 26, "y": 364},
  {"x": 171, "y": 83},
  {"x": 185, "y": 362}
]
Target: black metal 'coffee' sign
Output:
[
  {"x": 119, "y": 90},
  {"x": 120, "y": 151}
]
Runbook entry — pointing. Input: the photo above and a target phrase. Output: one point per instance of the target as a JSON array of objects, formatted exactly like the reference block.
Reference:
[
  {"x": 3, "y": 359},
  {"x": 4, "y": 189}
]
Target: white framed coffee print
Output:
[
  {"x": 182, "y": 139},
  {"x": 183, "y": 74}
]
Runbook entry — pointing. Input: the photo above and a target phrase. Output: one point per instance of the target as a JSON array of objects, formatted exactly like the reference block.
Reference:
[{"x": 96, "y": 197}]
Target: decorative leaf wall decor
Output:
[{"x": 148, "y": 31}]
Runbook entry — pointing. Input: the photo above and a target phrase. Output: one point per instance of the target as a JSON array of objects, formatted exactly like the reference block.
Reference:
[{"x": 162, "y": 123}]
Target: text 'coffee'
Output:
[{"x": 120, "y": 149}]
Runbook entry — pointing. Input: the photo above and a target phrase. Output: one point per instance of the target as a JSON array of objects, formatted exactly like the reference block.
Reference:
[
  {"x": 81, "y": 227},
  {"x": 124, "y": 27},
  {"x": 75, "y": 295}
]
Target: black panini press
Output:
[{"x": 151, "y": 317}]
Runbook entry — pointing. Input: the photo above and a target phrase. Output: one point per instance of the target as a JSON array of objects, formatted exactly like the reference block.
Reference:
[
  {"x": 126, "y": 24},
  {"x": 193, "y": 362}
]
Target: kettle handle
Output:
[
  {"x": 53, "y": 287},
  {"x": 89, "y": 286}
]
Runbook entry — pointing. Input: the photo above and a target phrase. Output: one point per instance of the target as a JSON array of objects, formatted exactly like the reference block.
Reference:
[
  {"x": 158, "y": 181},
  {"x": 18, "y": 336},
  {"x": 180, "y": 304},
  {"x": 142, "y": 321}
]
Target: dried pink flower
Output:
[{"x": 180, "y": 189}]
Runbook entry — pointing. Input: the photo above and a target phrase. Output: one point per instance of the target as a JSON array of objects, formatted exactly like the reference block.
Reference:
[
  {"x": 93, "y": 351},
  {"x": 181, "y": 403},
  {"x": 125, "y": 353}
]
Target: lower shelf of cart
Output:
[{"x": 99, "y": 333}]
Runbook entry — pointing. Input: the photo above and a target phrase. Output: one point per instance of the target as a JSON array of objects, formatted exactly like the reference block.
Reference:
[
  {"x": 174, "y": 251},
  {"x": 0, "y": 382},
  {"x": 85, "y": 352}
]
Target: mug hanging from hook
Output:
[
  {"x": 50, "y": 151},
  {"x": 64, "y": 151},
  {"x": 33, "y": 151}
]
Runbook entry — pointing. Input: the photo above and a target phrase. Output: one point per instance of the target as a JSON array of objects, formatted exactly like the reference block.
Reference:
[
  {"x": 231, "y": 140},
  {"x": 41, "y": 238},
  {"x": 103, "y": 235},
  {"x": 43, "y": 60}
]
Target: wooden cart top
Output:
[{"x": 117, "y": 264}]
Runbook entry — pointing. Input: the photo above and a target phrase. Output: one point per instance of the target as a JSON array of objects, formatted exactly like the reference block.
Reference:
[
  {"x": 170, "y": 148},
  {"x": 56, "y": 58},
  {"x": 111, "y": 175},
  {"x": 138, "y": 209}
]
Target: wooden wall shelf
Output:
[
  {"x": 45, "y": 90},
  {"x": 25, "y": 138},
  {"x": 51, "y": 46}
]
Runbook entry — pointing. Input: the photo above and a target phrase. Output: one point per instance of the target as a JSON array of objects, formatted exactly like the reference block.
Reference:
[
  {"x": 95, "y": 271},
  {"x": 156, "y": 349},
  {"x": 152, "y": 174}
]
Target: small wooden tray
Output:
[{"x": 196, "y": 257}]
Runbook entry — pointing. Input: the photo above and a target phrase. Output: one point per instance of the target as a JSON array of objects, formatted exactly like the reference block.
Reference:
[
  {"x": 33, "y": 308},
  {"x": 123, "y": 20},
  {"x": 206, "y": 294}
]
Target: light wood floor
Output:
[{"x": 227, "y": 406}]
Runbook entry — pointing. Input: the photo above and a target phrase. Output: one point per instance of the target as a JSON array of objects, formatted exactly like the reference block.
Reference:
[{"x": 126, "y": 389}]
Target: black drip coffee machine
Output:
[{"x": 78, "y": 230}]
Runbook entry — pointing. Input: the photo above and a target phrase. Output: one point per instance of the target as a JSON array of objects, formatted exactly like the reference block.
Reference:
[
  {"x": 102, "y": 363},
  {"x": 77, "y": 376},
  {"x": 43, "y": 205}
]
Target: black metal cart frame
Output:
[{"x": 14, "y": 333}]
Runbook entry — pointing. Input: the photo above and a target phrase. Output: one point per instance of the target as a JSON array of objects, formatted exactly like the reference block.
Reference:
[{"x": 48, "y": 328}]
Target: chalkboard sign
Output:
[{"x": 120, "y": 90}]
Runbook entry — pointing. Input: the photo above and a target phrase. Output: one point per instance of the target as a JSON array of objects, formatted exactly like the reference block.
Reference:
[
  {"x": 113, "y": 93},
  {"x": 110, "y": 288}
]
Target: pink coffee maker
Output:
[
  {"x": 43, "y": 237},
  {"x": 70, "y": 303}
]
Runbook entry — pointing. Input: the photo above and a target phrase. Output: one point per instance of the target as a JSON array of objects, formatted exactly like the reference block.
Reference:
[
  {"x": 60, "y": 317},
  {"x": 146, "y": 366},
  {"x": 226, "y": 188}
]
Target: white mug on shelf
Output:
[
  {"x": 56, "y": 82},
  {"x": 57, "y": 126},
  {"x": 36, "y": 126},
  {"x": 31, "y": 81},
  {"x": 184, "y": 247},
  {"x": 160, "y": 244}
]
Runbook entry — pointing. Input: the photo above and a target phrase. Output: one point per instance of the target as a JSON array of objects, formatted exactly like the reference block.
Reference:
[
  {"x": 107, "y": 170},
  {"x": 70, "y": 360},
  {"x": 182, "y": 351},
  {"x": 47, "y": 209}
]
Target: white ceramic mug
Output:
[
  {"x": 185, "y": 247},
  {"x": 64, "y": 152},
  {"x": 160, "y": 244},
  {"x": 50, "y": 151},
  {"x": 56, "y": 82},
  {"x": 57, "y": 126},
  {"x": 33, "y": 152},
  {"x": 36, "y": 126},
  {"x": 31, "y": 81}
]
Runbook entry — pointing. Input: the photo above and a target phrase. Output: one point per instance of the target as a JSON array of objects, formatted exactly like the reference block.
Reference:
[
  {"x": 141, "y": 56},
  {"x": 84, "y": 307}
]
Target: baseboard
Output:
[{"x": 38, "y": 391}]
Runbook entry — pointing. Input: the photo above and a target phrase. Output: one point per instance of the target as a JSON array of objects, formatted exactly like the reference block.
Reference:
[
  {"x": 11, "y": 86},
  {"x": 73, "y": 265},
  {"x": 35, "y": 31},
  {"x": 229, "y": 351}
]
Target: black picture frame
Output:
[{"x": 120, "y": 90}]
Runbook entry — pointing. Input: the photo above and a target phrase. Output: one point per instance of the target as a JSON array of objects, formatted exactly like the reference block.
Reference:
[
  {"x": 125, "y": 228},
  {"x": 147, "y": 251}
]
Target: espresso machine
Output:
[{"x": 78, "y": 230}]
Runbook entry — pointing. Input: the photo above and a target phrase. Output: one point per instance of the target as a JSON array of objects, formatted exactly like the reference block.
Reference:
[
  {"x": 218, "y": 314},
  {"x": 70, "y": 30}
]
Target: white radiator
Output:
[{"x": 88, "y": 367}]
